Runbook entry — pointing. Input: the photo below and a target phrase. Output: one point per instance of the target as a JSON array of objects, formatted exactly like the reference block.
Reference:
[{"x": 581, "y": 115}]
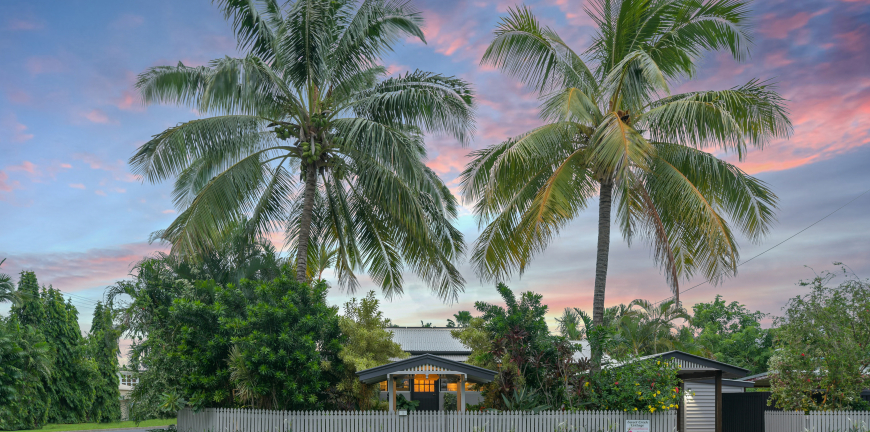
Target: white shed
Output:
[
  {"x": 700, "y": 403},
  {"x": 708, "y": 379}
]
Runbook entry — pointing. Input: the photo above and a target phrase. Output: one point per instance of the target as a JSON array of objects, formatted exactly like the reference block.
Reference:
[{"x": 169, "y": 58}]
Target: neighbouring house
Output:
[{"x": 127, "y": 380}]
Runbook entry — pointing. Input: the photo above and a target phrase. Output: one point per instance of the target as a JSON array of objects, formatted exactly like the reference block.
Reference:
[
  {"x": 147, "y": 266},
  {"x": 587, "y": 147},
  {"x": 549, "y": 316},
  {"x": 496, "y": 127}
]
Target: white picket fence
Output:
[
  {"x": 830, "y": 421},
  {"x": 244, "y": 420}
]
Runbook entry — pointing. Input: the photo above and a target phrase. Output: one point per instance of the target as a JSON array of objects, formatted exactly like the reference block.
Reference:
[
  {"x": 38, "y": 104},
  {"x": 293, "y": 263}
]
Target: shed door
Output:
[{"x": 426, "y": 392}]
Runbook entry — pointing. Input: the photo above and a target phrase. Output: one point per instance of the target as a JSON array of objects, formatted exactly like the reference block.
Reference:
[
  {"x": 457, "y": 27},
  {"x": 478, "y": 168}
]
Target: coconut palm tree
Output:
[
  {"x": 7, "y": 288},
  {"x": 310, "y": 101},
  {"x": 613, "y": 129}
]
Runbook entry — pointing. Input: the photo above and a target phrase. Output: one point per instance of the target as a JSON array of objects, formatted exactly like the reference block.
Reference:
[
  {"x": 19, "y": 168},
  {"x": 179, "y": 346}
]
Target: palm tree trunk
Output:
[
  {"x": 305, "y": 222},
  {"x": 604, "y": 208}
]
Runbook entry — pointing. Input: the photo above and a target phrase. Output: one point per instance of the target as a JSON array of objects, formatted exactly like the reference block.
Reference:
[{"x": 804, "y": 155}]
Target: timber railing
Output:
[{"x": 246, "y": 420}]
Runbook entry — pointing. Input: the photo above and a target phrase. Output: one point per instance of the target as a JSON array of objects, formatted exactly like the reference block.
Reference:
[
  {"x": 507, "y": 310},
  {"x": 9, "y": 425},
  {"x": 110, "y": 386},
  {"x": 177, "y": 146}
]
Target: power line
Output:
[{"x": 776, "y": 245}]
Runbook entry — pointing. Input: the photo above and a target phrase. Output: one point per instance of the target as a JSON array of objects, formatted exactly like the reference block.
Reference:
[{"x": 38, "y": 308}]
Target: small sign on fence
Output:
[{"x": 637, "y": 426}]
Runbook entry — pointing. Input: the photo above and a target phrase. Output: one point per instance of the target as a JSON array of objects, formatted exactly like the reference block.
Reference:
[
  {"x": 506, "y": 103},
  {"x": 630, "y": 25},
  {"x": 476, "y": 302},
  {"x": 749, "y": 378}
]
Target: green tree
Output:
[
  {"x": 613, "y": 129},
  {"x": 7, "y": 288},
  {"x": 821, "y": 355},
  {"x": 309, "y": 101},
  {"x": 25, "y": 366},
  {"x": 71, "y": 388},
  {"x": 732, "y": 334},
  {"x": 30, "y": 312},
  {"x": 463, "y": 319},
  {"x": 103, "y": 349},
  {"x": 369, "y": 343},
  {"x": 261, "y": 344}
]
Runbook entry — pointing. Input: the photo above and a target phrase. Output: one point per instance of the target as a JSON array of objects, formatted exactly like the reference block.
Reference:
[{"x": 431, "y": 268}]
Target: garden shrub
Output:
[{"x": 636, "y": 386}]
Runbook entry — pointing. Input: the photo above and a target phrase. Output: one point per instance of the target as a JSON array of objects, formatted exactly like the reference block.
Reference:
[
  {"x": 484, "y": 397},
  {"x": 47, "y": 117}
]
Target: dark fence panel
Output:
[{"x": 744, "y": 412}]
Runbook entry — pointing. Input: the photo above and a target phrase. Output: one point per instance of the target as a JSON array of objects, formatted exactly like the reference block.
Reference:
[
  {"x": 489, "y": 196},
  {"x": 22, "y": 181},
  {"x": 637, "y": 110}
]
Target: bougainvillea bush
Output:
[{"x": 635, "y": 386}]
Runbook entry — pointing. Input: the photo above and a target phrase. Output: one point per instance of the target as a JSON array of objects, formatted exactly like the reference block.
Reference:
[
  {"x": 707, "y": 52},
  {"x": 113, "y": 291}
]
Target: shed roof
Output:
[{"x": 690, "y": 363}]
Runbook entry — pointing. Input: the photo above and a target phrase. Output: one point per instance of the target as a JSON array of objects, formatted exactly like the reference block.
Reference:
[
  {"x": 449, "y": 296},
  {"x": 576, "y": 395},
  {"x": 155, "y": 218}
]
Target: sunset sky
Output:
[{"x": 69, "y": 119}]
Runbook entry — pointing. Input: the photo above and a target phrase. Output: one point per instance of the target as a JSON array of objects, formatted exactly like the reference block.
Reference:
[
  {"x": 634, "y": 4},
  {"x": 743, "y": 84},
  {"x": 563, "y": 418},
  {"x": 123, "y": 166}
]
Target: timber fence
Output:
[
  {"x": 246, "y": 420},
  {"x": 822, "y": 421}
]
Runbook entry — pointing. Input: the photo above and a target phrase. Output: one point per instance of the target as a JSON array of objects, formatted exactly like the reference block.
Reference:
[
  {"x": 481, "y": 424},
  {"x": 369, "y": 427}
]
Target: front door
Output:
[{"x": 426, "y": 392}]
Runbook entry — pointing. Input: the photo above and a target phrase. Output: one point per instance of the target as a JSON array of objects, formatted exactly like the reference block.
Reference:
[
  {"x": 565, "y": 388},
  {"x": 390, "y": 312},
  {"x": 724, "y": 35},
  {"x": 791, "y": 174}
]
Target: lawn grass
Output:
[{"x": 88, "y": 426}]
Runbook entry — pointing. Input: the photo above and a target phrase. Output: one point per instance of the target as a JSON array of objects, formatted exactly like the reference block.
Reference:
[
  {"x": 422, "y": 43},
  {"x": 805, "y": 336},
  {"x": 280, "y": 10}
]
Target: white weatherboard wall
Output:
[{"x": 701, "y": 408}]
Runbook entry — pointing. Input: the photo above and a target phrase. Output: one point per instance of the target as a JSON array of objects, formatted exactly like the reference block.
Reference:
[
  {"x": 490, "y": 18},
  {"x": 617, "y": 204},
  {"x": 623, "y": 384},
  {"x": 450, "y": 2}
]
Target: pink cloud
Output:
[
  {"x": 129, "y": 101},
  {"x": 24, "y": 24},
  {"x": 855, "y": 40},
  {"x": 18, "y": 96},
  {"x": 169, "y": 211},
  {"x": 6, "y": 185},
  {"x": 777, "y": 59},
  {"x": 26, "y": 166},
  {"x": 117, "y": 168},
  {"x": 75, "y": 271},
  {"x": 100, "y": 193},
  {"x": 780, "y": 28},
  {"x": 18, "y": 130},
  {"x": 44, "y": 64},
  {"x": 65, "y": 165},
  {"x": 97, "y": 116},
  {"x": 77, "y": 186}
]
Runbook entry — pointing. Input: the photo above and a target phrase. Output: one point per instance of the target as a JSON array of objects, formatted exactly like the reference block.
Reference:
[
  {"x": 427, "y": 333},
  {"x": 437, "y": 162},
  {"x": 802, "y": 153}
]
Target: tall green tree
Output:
[
  {"x": 369, "y": 343},
  {"x": 307, "y": 113},
  {"x": 103, "y": 350},
  {"x": 72, "y": 380},
  {"x": 69, "y": 388},
  {"x": 613, "y": 129},
  {"x": 26, "y": 362}
]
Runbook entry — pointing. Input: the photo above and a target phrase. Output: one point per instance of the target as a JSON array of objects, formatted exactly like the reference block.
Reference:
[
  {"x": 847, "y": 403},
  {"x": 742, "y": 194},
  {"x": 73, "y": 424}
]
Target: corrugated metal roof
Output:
[
  {"x": 431, "y": 340},
  {"x": 454, "y": 357}
]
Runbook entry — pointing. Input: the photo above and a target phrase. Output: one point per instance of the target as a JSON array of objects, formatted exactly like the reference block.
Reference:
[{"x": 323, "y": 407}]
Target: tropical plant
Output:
[
  {"x": 612, "y": 128},
  {"x": 308, "y": 101},
  {"x": 821, "y": 355},
  {"x": 463, "y": 319},
  {"x": 404, "y": 404},
  {"x": 7, "y": 287},
  {"x": 652, "y": 329},
  {"x": 523, "y": 400},
  {"x": 368, "y": 343}
]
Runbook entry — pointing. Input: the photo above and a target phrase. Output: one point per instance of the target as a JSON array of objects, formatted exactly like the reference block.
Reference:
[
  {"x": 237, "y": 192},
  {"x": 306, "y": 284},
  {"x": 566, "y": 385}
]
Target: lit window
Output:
[
  {"x": 383, "y": 386},
  {"x": 424, "y": 386}
]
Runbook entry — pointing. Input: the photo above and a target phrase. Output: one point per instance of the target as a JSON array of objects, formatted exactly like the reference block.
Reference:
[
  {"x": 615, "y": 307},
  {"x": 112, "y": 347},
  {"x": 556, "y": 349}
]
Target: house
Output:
[
  {"x": 436, "y": 367},
  {"x": 127, "y": 380}
]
